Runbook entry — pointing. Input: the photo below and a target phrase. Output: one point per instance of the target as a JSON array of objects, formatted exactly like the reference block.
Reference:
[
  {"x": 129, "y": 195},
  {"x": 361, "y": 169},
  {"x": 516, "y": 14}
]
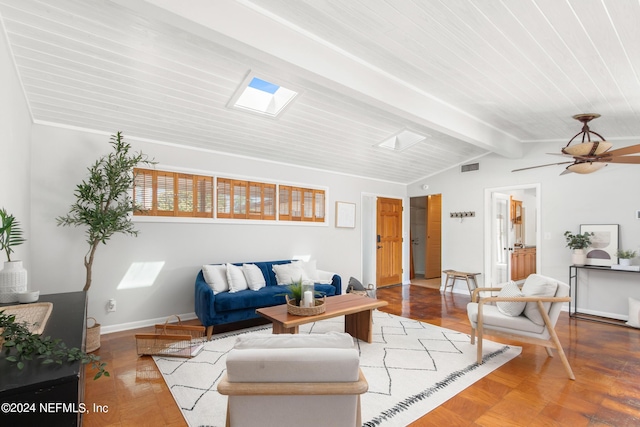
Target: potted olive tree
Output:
[
  {"x": 104, "y": 207},
  {"x": 578, "y": 242},
  {"x": 103, "y": 201},
  {"x": 13, "y": 277}
]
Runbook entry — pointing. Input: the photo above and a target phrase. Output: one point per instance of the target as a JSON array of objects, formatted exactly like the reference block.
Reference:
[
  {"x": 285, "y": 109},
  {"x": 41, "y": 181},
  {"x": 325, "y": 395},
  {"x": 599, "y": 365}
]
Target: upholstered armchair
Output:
[
  {"x": 293, "y": 380},
  {"x": 528, "y": 314}
]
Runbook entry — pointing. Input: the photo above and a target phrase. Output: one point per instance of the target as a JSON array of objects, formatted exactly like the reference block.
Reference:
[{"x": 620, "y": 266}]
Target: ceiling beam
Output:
[{"x": 242, "y": 26}]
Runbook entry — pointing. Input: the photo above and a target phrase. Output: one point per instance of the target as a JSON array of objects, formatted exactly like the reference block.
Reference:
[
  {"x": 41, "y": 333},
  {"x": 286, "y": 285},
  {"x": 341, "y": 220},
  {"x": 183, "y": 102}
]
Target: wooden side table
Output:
[{"x": 453, "y": 275}]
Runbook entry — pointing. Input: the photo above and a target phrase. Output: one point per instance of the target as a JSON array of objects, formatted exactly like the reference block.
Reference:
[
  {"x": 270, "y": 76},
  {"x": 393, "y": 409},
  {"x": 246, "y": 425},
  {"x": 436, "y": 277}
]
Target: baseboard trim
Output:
[{"x": 142, "y": 323}]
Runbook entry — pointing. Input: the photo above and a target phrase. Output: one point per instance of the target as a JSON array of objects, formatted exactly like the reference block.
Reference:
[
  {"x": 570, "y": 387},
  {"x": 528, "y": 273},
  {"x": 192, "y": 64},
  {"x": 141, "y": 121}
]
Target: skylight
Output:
[
  {"x": 260, "y": 96},
  {"x": 402, "y": 140}
]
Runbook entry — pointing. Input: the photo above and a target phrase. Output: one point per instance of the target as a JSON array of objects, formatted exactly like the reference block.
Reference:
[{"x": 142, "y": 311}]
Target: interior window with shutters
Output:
[{"x": 162, "y": 193}]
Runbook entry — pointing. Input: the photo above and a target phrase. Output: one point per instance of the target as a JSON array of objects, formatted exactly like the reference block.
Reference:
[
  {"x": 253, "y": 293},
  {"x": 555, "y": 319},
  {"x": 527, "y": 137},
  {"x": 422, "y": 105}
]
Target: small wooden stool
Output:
[{"x": 453, "y": 275}]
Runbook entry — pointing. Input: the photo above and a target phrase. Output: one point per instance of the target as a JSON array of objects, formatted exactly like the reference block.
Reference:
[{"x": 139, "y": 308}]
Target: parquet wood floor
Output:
[{"x": 531, "y": 390}]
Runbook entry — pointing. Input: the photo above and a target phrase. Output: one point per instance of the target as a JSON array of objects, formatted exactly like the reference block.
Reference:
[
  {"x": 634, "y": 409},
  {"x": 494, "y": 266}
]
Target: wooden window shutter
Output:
[
  {"x": 165, "y": 194},
  {"x": 296, "y": 204},
  {"x": 239, "y": 197},
  {"x": 255, "y": 200},
  {"x": 284, "y": 203},
  {"x": 224, "y": 198},
  {"x": 204, "y": 196},
  {"x": 269, "y": 201},
  {"x": 143, "y": 192},
  {"x": 307, "y": 205},
  {"x": 185, "y": 195},
  {"x": 319, "y": 208}
]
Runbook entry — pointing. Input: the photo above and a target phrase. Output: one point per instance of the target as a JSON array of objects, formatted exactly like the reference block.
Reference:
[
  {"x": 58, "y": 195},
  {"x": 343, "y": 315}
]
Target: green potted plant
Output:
[
  {"x": 578, "y": 242},
  {"x": 20, "y": 345},
  {"x": 13, "y": 277},
  {"x": 103, "y": 201},
  {"x": 625, "y": 256}
]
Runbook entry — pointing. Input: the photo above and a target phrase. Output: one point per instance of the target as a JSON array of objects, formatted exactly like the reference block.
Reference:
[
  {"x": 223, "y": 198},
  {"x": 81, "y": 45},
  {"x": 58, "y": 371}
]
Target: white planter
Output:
[
  {"x": 13, "y": 280},
  {"x": 624, "y": 261},
  {"x": 578, "y": 257}
]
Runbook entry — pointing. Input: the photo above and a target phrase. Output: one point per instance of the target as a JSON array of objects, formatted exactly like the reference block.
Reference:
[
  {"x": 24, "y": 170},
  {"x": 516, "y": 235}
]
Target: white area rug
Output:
[{"x": 411, "y": 367}]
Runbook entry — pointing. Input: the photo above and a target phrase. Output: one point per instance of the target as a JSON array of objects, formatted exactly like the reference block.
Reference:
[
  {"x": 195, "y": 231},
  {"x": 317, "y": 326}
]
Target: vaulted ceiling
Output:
[{"x": 475, "y": 76}]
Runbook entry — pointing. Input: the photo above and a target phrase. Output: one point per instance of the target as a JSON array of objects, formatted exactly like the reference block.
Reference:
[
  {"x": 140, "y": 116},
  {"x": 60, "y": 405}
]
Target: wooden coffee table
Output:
[{"x": 356, "y": 309}]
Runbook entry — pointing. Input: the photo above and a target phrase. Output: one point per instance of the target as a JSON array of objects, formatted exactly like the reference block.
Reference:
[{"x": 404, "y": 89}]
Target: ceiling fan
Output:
[{"x": 590, "y": 156}]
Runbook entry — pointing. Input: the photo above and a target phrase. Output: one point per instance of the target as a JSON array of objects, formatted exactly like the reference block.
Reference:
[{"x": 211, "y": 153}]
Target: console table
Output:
[
  {"x": 573, "y": 285},
  {"x": 59, "y": 388}
]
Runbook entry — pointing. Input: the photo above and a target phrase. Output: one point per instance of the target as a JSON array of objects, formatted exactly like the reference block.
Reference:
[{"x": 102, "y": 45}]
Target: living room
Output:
[{"x": 49, "y": 159}]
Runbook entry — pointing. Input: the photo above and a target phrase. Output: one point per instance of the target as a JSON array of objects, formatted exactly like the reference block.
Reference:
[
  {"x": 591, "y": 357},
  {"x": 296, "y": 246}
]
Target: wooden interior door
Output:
[
  {"x": 433, "y": 248},
  {"x": 389, "y": 242}
]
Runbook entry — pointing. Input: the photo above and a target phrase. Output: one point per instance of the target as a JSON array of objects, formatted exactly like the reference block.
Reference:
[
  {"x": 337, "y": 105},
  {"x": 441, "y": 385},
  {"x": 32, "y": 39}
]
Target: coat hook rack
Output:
[{"x": 462, "y": 214}]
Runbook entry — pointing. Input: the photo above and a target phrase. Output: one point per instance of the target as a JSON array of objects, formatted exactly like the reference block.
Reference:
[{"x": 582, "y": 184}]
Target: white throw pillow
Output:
[
  {"x": 216, "y": 277},
  {"x": 537, "y": 285},
  {"x": 634, "y": 313},
  {"x": 511, "y": 308},
  {"x": 254, "y": 276},
  {"x": 286, "y": 274},
  {"x": 236, "y": 279},
  {"x": 309, "y": 268}
]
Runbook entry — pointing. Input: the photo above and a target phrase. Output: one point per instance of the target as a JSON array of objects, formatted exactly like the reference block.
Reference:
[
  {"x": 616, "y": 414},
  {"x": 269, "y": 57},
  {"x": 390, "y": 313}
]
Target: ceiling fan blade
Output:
[
  {"x": 632, "y": 149},
  {"x": 621, "y": 159},
  {"x": 565, "y": 171},
  {"x": 540, "y": 166}
]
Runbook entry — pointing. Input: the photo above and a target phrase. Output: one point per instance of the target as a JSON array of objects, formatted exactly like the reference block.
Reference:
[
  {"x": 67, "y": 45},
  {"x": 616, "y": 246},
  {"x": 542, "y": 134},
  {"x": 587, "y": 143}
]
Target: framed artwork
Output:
[
  {"x": 604, "y": 243},
  {"x": 345, "y": 215}
]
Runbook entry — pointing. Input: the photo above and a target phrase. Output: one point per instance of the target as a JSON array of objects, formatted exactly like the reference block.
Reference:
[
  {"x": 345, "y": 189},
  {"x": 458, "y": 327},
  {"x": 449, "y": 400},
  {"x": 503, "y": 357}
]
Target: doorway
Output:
[
  {"x": 388, "y": 241},
  {"x": 426, "y": 236},
  {"x": 508, "y": 234}
]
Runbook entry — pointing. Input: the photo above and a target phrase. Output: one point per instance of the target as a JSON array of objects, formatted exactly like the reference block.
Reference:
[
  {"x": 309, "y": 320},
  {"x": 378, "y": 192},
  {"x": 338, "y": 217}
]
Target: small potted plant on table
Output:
[
  {"x": 578, "y": 242},
  {"x": 624, "y": 257}
]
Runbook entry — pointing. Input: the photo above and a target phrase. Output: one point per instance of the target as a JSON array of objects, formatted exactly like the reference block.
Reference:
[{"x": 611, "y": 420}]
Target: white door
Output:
[{"x": 500, "y": 248}]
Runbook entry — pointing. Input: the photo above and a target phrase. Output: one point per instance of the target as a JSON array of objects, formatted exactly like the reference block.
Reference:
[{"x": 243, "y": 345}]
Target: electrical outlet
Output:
[{"x": 111, "y": 305}]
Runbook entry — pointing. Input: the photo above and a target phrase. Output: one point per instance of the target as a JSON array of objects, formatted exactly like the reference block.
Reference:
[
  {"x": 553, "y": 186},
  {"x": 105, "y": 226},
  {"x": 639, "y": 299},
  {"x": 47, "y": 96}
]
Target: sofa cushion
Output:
[
  {"x": 511, "y": 308},
  {"x": 264, "y": 297},
  {"x": 216, "y": 277},
  {"x": 236, "y": 279},
  {"x": 254, "y": 276},
  {"x": 287, "y": 274},
  {"x": 537, "y": 285}
]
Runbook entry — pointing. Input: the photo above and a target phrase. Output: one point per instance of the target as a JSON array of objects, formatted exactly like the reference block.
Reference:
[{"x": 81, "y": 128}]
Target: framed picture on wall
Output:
[
  {"x": 604, "y": 243},
  {"x": 345, "y": 215}
]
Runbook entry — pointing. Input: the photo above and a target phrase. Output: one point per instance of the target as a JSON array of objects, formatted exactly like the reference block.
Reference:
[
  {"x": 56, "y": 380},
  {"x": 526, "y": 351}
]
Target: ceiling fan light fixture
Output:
[
  {"x": 585, "y": 167},
  {"x": 588, "y": 148}
]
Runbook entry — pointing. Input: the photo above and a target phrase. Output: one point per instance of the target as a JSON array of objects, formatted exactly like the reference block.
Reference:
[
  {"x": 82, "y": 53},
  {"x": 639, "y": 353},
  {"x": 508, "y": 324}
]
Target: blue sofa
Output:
[{"x": 227, "y": 307}]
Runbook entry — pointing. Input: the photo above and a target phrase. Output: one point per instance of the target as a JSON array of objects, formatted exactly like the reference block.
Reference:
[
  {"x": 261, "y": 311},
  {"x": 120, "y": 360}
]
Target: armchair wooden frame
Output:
[
  {"x": 552, "y": 342},
  {"x": 295, "y": 389}
]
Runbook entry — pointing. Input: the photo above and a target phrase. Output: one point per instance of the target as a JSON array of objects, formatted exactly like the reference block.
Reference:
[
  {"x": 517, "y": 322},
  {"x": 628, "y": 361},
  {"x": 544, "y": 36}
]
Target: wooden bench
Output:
[{"x": 453, "y": 275}]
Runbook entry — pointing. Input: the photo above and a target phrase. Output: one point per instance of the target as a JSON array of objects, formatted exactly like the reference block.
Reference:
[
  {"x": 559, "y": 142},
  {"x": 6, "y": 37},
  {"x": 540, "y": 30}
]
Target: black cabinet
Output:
[{"x": 51, "y": 394}]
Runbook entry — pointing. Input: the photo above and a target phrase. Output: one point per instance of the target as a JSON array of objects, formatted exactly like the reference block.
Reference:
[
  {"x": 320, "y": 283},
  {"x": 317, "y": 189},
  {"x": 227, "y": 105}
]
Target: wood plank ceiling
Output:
[{"x": 474, "y": 75}]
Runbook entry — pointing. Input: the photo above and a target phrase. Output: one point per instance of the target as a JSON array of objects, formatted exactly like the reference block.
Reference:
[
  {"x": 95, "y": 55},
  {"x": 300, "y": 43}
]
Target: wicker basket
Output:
[
  {"x": 93, "y": 336},
  {"x": 319, "y": 308},
  {"x": 172, "y": 340}
]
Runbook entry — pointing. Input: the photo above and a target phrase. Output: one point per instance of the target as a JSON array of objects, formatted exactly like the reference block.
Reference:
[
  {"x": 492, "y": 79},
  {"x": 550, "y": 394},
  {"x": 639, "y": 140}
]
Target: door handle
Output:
[{"x": 379, "y": 247}]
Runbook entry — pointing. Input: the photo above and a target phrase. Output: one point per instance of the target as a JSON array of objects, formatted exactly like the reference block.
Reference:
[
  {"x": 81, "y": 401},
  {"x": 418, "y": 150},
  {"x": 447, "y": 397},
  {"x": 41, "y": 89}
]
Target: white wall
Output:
[
  {"x": 15, "y": 125},
  {"x": 605, "y": 197},
  {"x": 60, "y": 160}
]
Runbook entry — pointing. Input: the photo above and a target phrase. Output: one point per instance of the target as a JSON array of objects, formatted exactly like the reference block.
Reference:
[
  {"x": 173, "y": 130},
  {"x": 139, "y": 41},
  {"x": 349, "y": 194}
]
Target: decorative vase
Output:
[
  {"x": 578, "y": 257},
  {"x": 13, "y": 280},
  {"x": 624, "y": 261}
]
